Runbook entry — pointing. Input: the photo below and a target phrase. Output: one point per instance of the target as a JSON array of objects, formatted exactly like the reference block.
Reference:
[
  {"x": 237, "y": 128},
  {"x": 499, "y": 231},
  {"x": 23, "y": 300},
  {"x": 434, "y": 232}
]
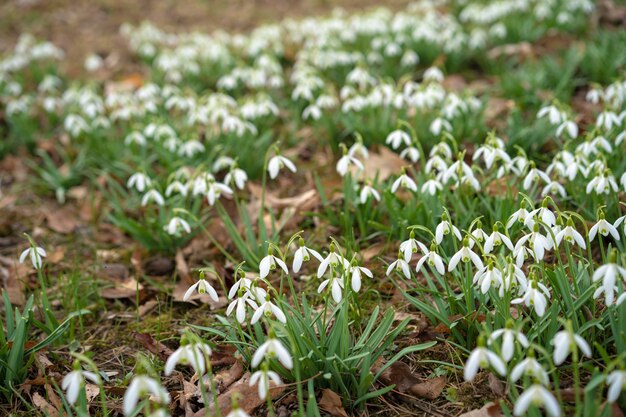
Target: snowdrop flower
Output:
[
  {"x": 358, "y": 148},
  {"x": 36, "y": 253},
  {"x": 534, "y": 174},
  {"x": 140, "y": 181},
  {"x": 555, "y": 116},
  {"x": 135, "y": 137},
  {"x": 542, "y": 213},
  {"x": 272, "y": 348},
  {"x": 269, "y": 262},
  {"x": 567, "y": 341},
  {"x": 74, "y": 381},
  {"x": 404, "y": 181},
  {"x": 433, "y": 258},
  {"x": 509, "y": 336},
  {"x": 355, "y": 272},
  {"x": 531, "y": 368},
  {"x": 571, "y": 235},
  {"x": 432, "y": 186},
  {"x": 302, "y": 254},
  {"x": 602, "y": 183},
  {"x": 336, "y": 288},
  {"x": 486, "y": 277},
  {"x": 263, "y": 378},
  {"x": 193, "y": 354},
  {"x": 176, "y": 187},
  {"x": 139, "y": 386},
  {"x": 482, "y": 358},
  {"x": 410, "y": 246},
  {"x": 399, "y": 265},
  {"x": 538, "y": 396},
  {"x": 332, "y": 259},
  {"x": 239, "y": 305},
  {"x": 433, "y": 74},
  {"x": 236, "y": 175},
  {"x": 568, "y": 126},
  {"x": 440, "y": 124},
  {"x": 444, "y": 228},
  {"x": 215, "y": 190},
  {"x": 554, "y": 187},
  {"x": 276, "y": 163},
  {"x": 366, "y": 192},
  {"x": 411, "y": 153},
  {"x": 608, "y": 274},
  {"x": 616, "y": 381},
  {"x": 538, "y": 244},
  {"x": 535, "y": 296},
  {"x": 268, "y": 308},
  {"x": 397, "y": 138},
  {"x": 519, "y": 216},
  {"x": 175, "y": 225},
  {"x": 343, "y": 165},
  {"x": 495, "y": 239},
  {"x": 604, "y": 228},
  {"x": 608, "y": 119},
  {"x": 152, "y": 195},
  {"x": 465, "y": 254},
  {"x": 203, "y": 287}
]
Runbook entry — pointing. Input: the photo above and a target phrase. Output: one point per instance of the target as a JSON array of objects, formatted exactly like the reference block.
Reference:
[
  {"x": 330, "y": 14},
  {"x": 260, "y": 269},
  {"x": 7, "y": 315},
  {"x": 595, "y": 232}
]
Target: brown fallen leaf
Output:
[
  {"x": 488, "y": 410},
  {"x": 148, "y": 342},
  {"x": 124, "y": 286},
  {"x": 429, "y": 389},
  {"x": 43, "y": 405},
  {"x": 159, "y": 266},
  {"x": 382, "y": 164},
  {"x": 496, "y": 386},
  {"x": 63, "y": 220},
  {"x": 10, "y": 270},
  {"x": 248, "y": 397},
  {"x": 331, "y": 403},
  {"x": 227, "y": 377}
]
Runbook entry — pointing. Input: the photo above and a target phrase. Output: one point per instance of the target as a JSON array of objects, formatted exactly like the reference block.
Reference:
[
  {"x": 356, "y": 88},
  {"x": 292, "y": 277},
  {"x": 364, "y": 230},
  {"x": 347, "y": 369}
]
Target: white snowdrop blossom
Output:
[
  {"x": 36, "y": 254},
  {"x": 405, "y": 181},
  {"x": 272, "y": 348},
  {"x": 176, "y": 225},
  {"x": 355, "y": 273},
  {"x": 276, "y": 163},
  {"x": 152, "y": 195},
  {"x": 368, "y": 191},
  {"x": 397, "y": 138},
  {"x": 140, "y": 181},
  {"x": 616, "y": 381},
  {"x": 268, "y": 309},
  {"x": 269, "y": 262},
  {"x": 537, "y": 396},
  {"x": 215, "y": 190},
  {"x": 482, "y": 358},
  {"x": 609, "y": 274},
  {"x": 444, "y": 228},
  {"x": 74, "y": 381},
  {"x": 531, "y": 368},
  {"x": 465, "y": 254},
  {"x": 302, "y": 254},
  {"x": 263, "y": 377},
  {"x": 508, "y": 336},
  {"x": 139, "y": 386},
  {"x": 192, "y": 354},
  {"x": 433, "y": 259},
  {"x": 604, "y": 228},
  {"x": 565, "y": 342},
  {"x": 203, "y": 287},
  {"x": 336, "y": 288},
  {"x": 535, "y": 296}
]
